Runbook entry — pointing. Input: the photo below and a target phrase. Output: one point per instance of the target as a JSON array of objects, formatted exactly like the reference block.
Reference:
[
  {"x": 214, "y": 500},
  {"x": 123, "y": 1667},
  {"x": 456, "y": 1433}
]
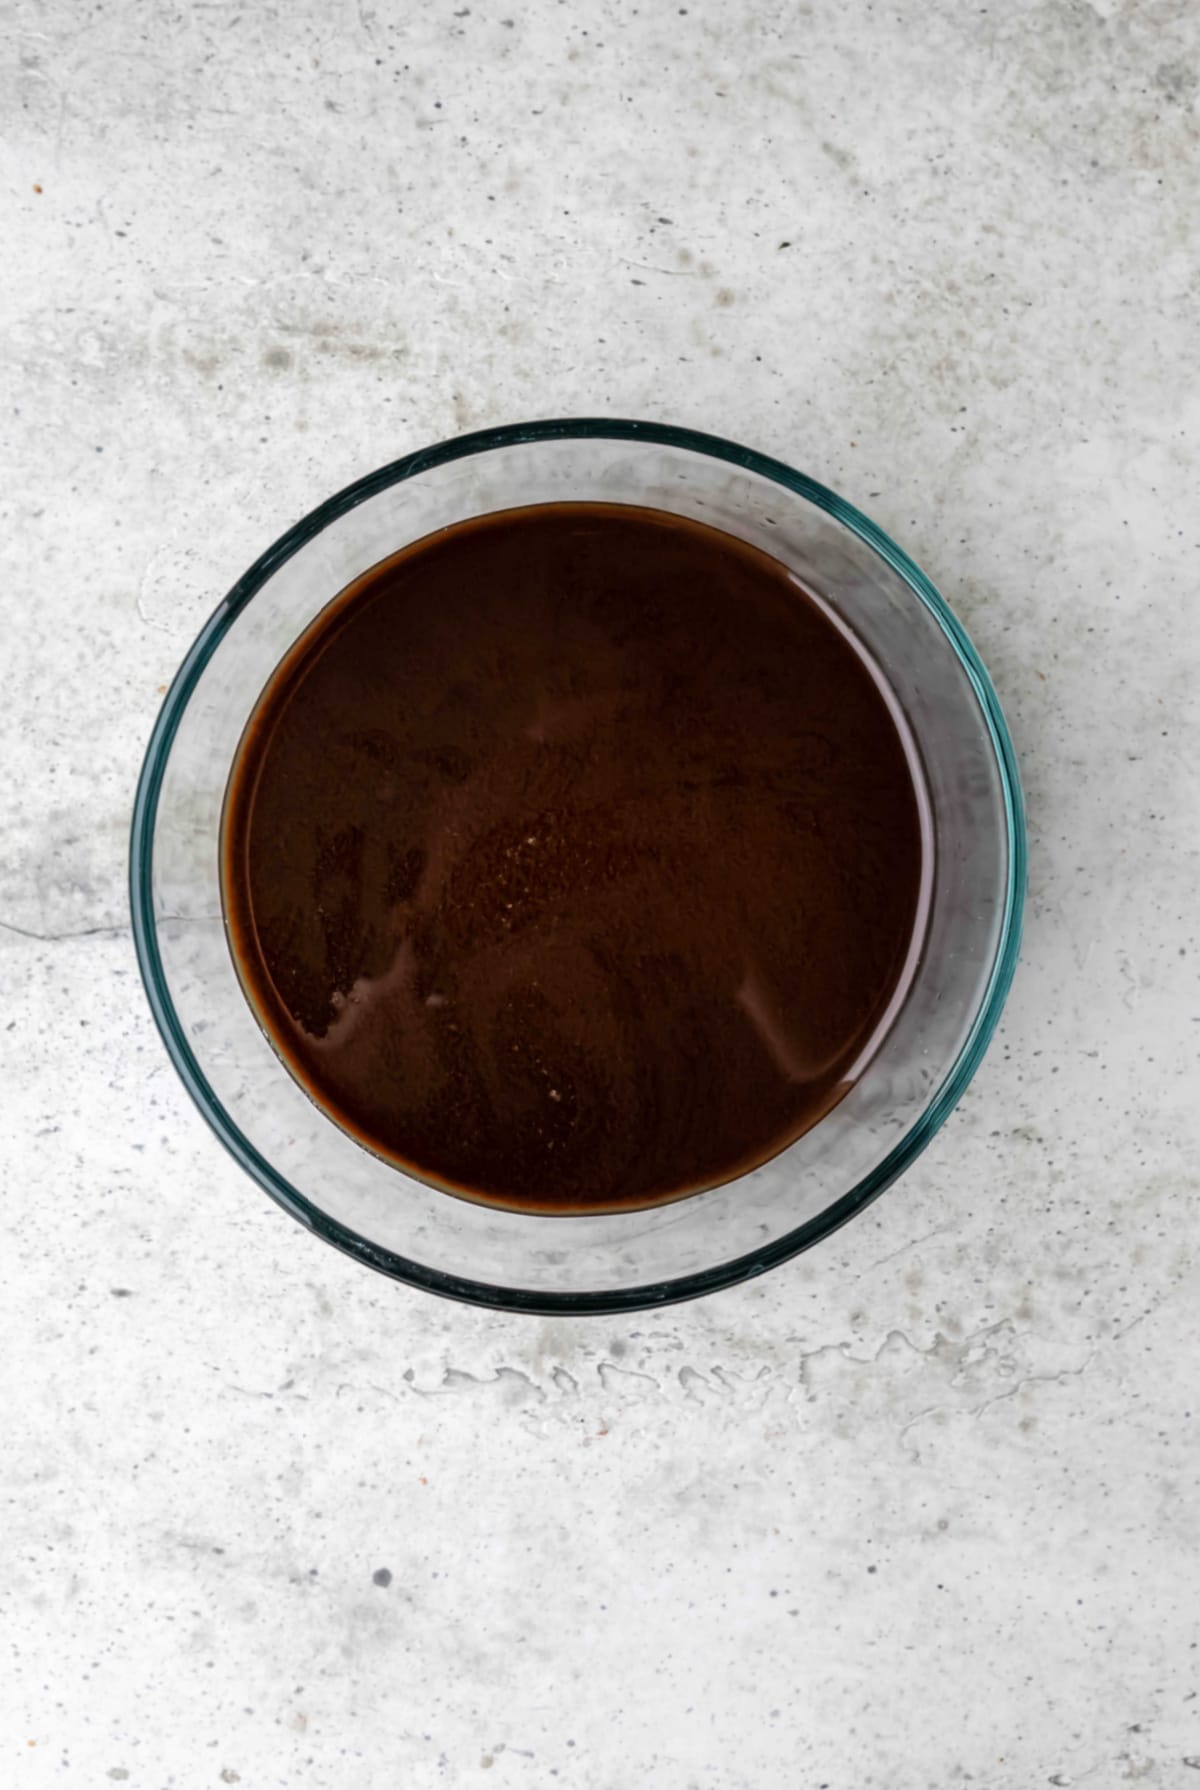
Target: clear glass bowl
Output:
[{"x": 623, "y": 1260}]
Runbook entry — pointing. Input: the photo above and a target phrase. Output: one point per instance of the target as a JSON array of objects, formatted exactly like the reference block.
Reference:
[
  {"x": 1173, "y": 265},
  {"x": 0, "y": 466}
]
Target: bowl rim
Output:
[{"x": 536, "y": 1300}]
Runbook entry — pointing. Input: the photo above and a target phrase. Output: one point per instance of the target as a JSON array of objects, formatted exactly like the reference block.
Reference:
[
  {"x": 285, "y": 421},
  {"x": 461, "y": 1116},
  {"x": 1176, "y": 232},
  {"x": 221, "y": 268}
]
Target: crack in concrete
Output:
[
  {"x": 905, "y": 1247},
  {"x": 57, "y": 938},
  {"x": 113, "y": 929}
]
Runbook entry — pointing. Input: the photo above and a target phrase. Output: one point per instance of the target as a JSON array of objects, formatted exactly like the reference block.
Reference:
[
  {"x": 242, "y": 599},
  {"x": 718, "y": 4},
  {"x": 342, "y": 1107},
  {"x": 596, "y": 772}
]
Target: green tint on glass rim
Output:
[{"x": 561, "y": 1264}]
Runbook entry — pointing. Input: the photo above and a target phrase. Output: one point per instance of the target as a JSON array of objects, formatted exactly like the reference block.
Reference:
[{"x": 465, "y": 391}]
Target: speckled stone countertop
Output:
[{"x": 917, "y": 1510}]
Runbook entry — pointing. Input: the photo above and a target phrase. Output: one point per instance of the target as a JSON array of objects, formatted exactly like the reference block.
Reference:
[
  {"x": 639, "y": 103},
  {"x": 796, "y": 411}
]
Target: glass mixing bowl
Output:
[{"x": 623, "y": 1260}]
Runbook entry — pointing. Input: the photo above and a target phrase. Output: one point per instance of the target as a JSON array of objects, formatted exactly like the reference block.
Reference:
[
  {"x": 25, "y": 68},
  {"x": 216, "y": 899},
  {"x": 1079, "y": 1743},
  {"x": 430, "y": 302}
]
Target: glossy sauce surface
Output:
[{"x": 572, "y": 858}]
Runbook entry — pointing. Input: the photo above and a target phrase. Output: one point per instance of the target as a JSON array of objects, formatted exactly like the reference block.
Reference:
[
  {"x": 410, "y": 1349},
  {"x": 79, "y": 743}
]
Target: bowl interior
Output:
[{"x": 600, "y": 1261}]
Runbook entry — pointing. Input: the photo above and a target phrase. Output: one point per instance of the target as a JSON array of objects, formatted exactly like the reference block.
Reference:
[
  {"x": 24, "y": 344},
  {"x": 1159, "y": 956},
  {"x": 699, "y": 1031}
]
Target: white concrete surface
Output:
[{"x": 919, "y": 1510}]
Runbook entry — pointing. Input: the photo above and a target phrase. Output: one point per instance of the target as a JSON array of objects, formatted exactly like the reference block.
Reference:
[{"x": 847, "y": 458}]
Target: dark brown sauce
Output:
[{"x": 572, "y": 858}]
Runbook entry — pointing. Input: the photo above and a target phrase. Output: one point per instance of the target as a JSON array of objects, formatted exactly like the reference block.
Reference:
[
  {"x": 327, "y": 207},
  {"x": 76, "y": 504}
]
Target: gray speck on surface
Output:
[
  {"x": 1178, "y": 82},
  {"x": 382, "y": 1577}
]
